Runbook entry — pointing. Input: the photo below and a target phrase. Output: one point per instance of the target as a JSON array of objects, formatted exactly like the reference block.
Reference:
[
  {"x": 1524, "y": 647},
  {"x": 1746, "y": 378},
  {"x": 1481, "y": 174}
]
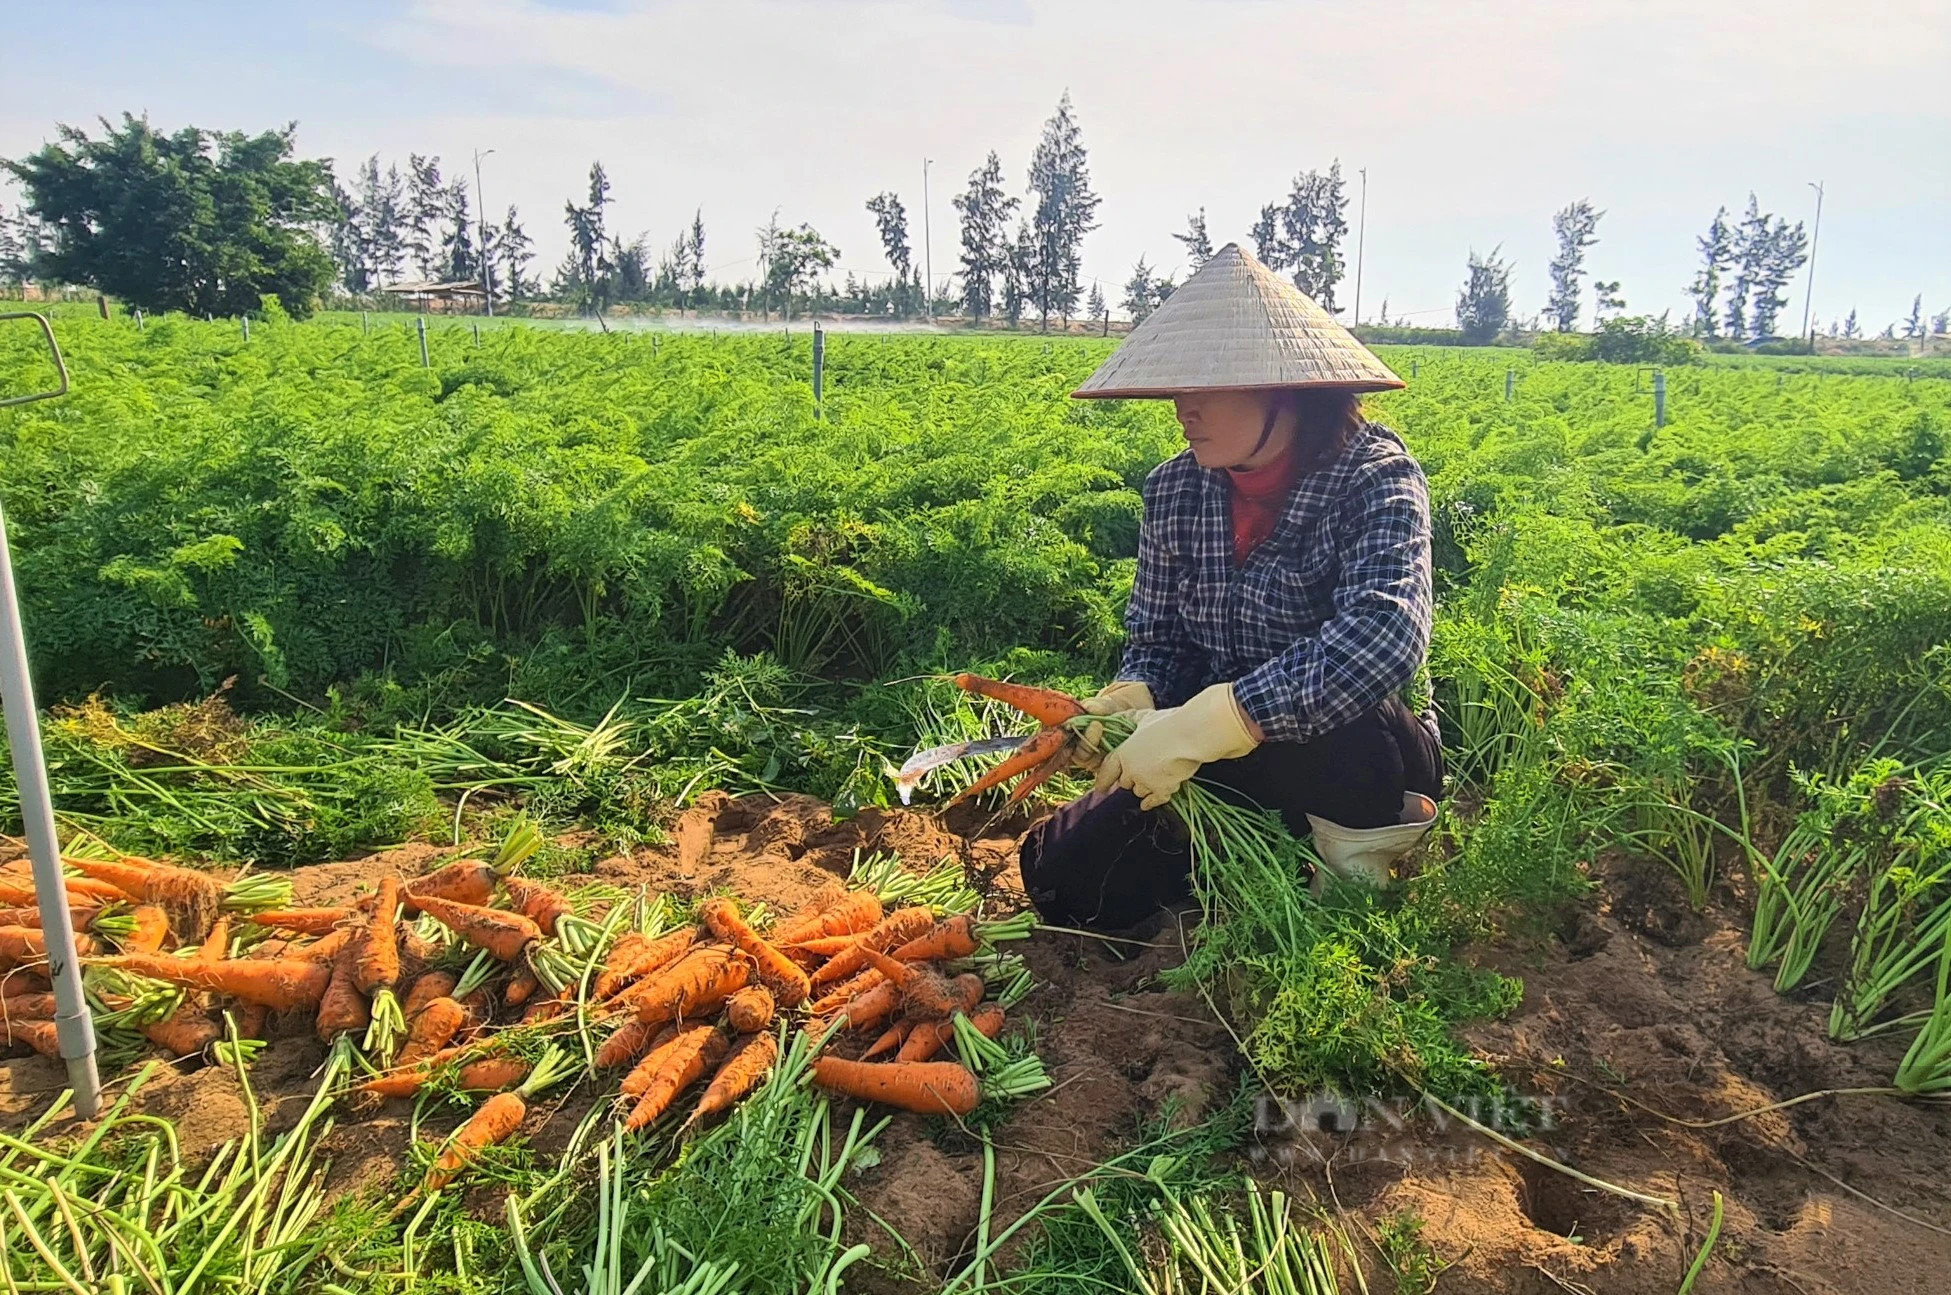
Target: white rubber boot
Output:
[{"x": 1366, "y": 854}]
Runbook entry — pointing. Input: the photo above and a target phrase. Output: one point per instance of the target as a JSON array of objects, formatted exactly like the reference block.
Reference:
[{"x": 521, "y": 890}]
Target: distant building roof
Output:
[{"x": 431, "y": 287}]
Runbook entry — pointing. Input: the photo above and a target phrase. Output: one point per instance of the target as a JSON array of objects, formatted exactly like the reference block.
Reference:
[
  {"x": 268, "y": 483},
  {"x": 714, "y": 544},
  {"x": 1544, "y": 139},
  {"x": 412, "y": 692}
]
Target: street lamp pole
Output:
[
  {"x": 487, "y": 282},
  {"x": 1809, "y": 295},
  {"x": 1361, "y": 244},
  {"x": 927, "y": 246}
]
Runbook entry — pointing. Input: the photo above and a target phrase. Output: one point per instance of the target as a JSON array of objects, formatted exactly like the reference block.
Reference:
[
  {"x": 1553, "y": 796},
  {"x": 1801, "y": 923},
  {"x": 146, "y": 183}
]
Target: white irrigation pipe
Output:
[{"x": 74, "y": 1025}]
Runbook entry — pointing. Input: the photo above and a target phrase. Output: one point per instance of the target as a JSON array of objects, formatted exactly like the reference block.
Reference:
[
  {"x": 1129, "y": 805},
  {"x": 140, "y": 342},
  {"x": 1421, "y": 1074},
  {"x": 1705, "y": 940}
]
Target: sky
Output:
[{"x": 1475, "y": 120}]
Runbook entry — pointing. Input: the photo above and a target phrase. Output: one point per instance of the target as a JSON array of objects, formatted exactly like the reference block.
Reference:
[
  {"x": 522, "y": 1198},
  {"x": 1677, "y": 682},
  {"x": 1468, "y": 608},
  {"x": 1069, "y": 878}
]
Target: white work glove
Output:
[
  {"x": 1113, "y": 699},
  {"x": 1169, "y": 746}
]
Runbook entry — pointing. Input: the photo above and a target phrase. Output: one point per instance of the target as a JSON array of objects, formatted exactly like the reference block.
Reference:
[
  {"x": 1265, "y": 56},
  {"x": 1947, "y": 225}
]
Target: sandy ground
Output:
[{"x": 1639, "y": 1026}]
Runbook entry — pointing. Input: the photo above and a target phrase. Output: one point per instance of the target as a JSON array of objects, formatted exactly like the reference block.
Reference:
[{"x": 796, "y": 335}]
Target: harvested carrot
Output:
[
  {"x": 79, "y": 917},
  {"x": 927, "y": 1087},
  {"x": 430, "y": 1030},
  {"x": 328, "y": 948},
  {"x": 871, "y": 1008},
  {"x": 693, "y": 1052},
  {"x": 953, "y": 937},
  {"x": 492, "y": 1074},
  {"x": 38, "y": 1035},
  {"x": 630, "y": 961},
  {"x": 216, "y": 942},
  {"x": 378, "y": 967},
  {"x": 429, "y": 986},
  {"x": 304, "y": 921},
  {"x": 1059, "y": 761},
  {"x": 186, "y": 1031},
  {"x": 851, "y": 913},
  {"x": 924, "y": 991},
  {"x": 464, "y": 881},
  {"x": 191, "y": 898},
  {"x": 503, "y": 935},
  {"x": 250, "y": 1020},
  {"x": 492, "y": 1125},
  {"x": 343, "y": 1009},
  {"x": 897, "y": 928},
  {"x": 151, "y": 930},
  {"x": 30, "y": 1007},
  {"x": 80, "y": 891},
  {"x": 750, "y": 1009},
  {"x": 26, "y": 944},
  {"x": 637, "y": 1082},
  {"x": 930, "y": 1037},
  {"x": 826, "y": 946},
  {"x": 538, "y": 903},
  {"x": 775, "y": 970},
  {"x": 749, "y": 1062},
  {"x": 550, "y": 1006},
  {"x": 785, "y": 929},
  {"x": 1033, "y": 753},
  {"x": 521, "y": 987},
  {"x": 891, "y": 1038},
  {"x": 845, "y": 992},
  {"x": 1044, "y": 705},
  {"x": 405, "y": 1081},
  {"x": 694, "y": 987},
  {"x": 629, "y": 1042}
]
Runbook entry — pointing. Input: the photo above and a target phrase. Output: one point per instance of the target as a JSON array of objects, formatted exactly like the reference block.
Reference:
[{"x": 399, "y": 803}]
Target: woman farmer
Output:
[{"x": 1281, "y": 605}]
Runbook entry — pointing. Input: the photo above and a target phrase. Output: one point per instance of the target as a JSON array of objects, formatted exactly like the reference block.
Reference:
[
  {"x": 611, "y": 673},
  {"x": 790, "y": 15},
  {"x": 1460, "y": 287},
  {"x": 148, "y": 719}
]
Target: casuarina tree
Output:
[
  {"x": 203, "y": 221},
  {"x": 1577, "y": 229},
  {"x": 1483, "y": 307},
  {"x": 1198, "y": 244},
  {"x": 985, "y": 211},
  {"x": 1065, "y": 210}
]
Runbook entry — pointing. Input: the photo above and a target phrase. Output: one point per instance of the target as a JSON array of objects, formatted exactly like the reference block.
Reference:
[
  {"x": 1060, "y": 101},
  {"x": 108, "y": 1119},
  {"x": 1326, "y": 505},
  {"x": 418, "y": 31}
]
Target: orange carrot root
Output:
[
  {"x": 927, "y": 1087},
  {"x": 897, "y": 928},
  {"x": 1044, "y": 705},
  {"x": 1040, "y": 748},
  {"x": 750, "y": 1009},
  {"x": 953, "y": 938},
  {"x": 492, "y": 1125},
  {"x": 304, "y": 921},
  {"x": 693, "y": 1052},
  {"x": 777, "y": 972},
  {"x": 283, "y": 985},
  {"x": 540, "y": 904},
  {"x": 503, "y": 935},
  {"x": 749, "y": 1062},
  {"x": 849, "y": 914}
]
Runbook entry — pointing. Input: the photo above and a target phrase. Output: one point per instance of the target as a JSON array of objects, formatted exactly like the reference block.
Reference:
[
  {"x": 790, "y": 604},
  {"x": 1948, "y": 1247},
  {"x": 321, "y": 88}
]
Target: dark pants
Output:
[{"x": 1101, "y": 861}]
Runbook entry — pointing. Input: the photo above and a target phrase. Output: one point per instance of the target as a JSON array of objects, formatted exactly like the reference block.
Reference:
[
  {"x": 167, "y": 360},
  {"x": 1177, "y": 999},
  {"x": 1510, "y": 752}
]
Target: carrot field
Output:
[{"x": 627, "y": 619}]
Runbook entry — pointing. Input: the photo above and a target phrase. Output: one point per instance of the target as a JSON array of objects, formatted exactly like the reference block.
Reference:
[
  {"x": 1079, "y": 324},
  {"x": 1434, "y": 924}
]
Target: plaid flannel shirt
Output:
[{"x": 1324, "y": 620}]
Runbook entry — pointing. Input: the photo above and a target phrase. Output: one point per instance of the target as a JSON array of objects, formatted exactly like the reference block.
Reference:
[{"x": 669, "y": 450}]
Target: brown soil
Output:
[{"x": 1638, "y": 1016}]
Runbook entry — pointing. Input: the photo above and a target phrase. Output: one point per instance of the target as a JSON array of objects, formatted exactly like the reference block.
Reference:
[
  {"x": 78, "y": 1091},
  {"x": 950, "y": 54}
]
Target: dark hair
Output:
[{"x": 1326, "y": 420}]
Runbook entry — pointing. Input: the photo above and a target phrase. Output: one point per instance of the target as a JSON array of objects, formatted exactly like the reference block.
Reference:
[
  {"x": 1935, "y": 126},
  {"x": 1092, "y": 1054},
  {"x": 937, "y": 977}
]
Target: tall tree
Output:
[
  {"x": 1303, "y": 233},
  {"x": 1198, "y": 244},
  {"x": 1138, "y": 292},
  {"x": 1483, "y": 307},
  {"x": 589, "y": 263},
  {"x": 1850, "y": 327},
  {"x": 985, "y": 211},
  {"x": 1784, "y": 250},
  {"x": 1065, "y": 211},
  {"x": 13, "y": 256},
  {"x": 1716, "y": 257},
  {"x": 891, "y": 221},
  {"x": 1941, "y": 322},
  {"x": 694, "y": 249},
  {"x": 790, "y": 260},
  {"x": 1099, "y": 312},
  {"x": 513, "y": 252},
  {"x": 1577, "y": 228},
  {"x": 202, "y": 221},
  {"x": 458, "y": 260},
  {"x": 1914, "y": 326},
  {"x": 426, "y": 214},
  {"x": 631, "y": 268},
  {"x": 1749, "y": 246},
  {"x": 1016, "y": 271}
]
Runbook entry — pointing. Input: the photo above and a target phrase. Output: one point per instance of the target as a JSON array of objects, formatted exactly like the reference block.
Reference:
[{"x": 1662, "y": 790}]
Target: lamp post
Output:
[
  {"x": 487, "y": 282},
  {"x": 927, "y": 247},
  {"x": 1809, "y": 295},
  {"x": 1361, "y": 244}
]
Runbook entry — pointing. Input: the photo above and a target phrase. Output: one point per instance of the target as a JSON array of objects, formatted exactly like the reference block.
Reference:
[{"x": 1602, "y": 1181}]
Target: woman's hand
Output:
[
  {"x": 1113, "y": 699},
  {"x": 1169, "y": 745}
]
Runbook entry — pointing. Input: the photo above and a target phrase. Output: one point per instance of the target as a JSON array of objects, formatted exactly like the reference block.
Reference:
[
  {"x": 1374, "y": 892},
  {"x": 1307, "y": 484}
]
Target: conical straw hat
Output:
[{"x": 1236, "y": 325}]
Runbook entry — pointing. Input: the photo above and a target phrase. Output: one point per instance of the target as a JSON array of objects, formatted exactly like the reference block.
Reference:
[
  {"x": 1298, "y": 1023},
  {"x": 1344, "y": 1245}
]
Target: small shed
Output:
[{"x": 461, "y": 297}]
